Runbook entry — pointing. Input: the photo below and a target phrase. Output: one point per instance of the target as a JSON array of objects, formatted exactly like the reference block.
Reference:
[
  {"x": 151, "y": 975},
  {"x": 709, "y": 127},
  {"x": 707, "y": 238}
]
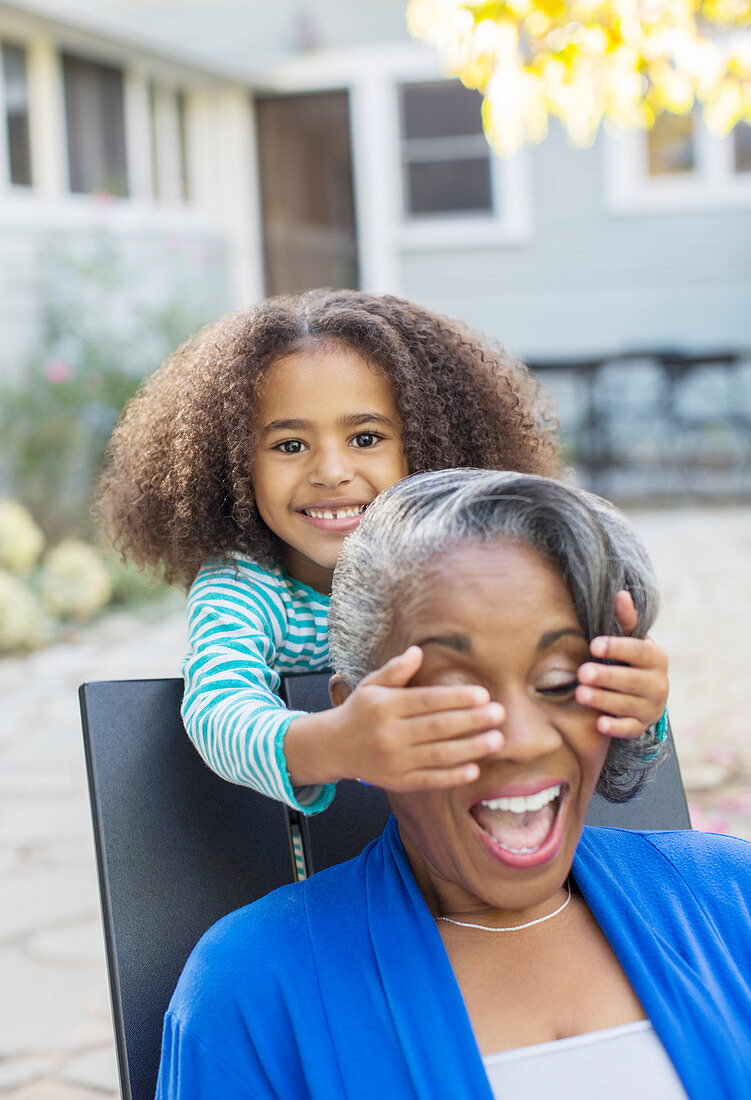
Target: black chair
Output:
[{"x": 177, "y": 847}]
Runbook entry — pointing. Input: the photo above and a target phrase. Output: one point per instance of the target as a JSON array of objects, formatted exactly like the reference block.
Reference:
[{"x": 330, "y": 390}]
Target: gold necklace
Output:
[{"x": 515, "y": 927}]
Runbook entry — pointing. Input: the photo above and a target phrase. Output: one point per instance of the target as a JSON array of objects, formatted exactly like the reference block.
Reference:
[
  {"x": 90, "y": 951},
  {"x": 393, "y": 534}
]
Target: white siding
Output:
[{"x": 589, "y": 280}]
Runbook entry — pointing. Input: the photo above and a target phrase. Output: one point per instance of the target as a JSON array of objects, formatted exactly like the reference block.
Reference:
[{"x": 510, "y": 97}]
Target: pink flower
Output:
[{"x": 57, "y": 371}]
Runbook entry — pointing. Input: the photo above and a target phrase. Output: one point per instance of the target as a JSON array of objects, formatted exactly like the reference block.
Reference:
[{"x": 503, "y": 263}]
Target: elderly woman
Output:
[{"x": 487, "y": 944}]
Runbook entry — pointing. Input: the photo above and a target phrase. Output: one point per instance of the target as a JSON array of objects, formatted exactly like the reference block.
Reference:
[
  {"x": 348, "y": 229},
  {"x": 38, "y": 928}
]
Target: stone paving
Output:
[{"x": 55, "y": 1029}]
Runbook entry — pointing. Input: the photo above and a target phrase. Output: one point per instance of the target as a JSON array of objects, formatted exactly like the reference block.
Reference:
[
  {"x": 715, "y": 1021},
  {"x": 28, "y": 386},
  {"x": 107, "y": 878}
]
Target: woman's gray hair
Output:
[{"x": 423, "y": 517}]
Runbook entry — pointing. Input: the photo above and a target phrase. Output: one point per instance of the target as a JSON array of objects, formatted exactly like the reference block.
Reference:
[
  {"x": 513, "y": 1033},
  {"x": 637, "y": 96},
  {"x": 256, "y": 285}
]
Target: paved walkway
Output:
[{"x": 55, "y": 1031}]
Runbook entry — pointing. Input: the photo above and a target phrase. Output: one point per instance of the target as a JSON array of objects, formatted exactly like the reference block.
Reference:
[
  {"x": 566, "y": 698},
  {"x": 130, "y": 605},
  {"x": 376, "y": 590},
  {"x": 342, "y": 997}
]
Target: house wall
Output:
[
  {"x": 589, "y": 279},
  {"x": 582, "y": 256},
  {"x": 575, "y": 268},
  {"x": 184, "y": 259}
]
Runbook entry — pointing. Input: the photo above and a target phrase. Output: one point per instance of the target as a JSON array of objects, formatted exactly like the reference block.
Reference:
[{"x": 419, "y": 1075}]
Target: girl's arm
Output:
[
  {"x": 394, "y": 736},
  {"x": 230, "y": 708}
]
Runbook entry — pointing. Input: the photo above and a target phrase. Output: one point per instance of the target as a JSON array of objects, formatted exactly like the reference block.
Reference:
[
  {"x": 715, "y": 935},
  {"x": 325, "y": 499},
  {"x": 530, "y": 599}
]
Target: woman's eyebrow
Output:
[
  {"x": 552, "y": 637},
  {"x": 458, "y": 642}
]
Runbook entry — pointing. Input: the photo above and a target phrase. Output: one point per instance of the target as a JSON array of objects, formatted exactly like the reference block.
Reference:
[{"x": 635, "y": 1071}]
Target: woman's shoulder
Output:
[
  {"x": 683, "y": 844},
  {"x": 709, "y": 864},
  {"x": 276, "y": 926},
  {"x": 276, "y": 916},
  {"x": 245, "y": 952},
  {"x": 710, "y": 858}
]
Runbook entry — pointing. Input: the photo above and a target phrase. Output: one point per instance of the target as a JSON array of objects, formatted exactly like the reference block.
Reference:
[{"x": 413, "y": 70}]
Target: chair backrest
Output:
[{"x": 178, "y": 847}]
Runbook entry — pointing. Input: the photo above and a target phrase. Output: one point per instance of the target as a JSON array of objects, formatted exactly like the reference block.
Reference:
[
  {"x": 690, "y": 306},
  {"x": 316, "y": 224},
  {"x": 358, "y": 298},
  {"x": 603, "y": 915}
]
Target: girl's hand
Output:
[
  {"x": 633, "y": 693},
  {"x": 412, "y": 738}
]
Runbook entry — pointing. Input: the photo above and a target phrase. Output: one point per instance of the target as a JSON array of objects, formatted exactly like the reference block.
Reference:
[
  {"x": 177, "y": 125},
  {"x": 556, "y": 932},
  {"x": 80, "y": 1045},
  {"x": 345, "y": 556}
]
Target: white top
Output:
[{"x": 623, "y": 1063}]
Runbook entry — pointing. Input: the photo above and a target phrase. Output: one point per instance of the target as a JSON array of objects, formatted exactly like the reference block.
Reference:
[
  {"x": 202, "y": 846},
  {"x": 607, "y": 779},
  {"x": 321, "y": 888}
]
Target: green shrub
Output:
[{"x": 107, "y": 320}]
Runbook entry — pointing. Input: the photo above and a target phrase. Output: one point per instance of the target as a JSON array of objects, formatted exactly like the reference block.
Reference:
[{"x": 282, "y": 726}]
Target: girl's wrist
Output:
[{"x": 310, "y": 749}]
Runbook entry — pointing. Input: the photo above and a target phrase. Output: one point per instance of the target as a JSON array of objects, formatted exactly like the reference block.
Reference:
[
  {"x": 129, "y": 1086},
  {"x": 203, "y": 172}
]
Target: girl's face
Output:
[{"x": 327, "y": 441}]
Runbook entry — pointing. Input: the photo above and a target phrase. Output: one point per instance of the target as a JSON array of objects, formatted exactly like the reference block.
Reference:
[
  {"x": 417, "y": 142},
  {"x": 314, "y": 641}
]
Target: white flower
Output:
[
  {"x": 74, "y": 582},
  {"x": 23, "y": 623},
  {"x": 21, "y": 541}
]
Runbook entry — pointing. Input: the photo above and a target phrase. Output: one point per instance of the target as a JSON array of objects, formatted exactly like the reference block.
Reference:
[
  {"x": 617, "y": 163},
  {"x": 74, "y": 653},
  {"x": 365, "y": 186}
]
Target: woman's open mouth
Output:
[{"x": 522, "y": 830}]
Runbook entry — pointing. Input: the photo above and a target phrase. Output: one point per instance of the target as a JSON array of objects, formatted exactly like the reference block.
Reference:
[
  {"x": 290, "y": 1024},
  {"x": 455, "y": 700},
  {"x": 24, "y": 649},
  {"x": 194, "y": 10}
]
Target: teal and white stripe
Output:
[{"x": 247, "y": 627}]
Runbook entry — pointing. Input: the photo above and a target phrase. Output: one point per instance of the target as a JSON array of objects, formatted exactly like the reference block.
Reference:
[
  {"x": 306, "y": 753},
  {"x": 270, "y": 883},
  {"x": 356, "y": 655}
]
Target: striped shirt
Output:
[{"x": 247, "y": 627}]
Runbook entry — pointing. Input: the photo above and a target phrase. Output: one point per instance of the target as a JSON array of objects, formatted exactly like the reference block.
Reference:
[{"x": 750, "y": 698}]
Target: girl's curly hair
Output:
[{"x": 177, "y": 487}]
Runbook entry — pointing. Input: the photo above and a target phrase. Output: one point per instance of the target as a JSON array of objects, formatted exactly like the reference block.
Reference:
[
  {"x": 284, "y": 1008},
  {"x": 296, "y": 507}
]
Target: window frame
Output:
[
  {"x": 713, "y": 184},
  {"x": 509, "y": 219},
  {"x": 80, "y": 57},
  {"x": 48, "y": 131},
  {"x": 169, "y": 152},
  {"x": 5, "y": 157}
]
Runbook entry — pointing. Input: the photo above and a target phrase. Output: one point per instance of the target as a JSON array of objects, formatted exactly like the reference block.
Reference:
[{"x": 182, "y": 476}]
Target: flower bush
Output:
[
  {"x": 109, "y": 314},
  {"x": 23, "y": 622},
  {"x": 74, "y": 582},
  {"x": 54, "y": 427},
  {"x": 21, "y": 541},
  {"x": 71, "y": 584},
  {"x": 112, "y": 305}
]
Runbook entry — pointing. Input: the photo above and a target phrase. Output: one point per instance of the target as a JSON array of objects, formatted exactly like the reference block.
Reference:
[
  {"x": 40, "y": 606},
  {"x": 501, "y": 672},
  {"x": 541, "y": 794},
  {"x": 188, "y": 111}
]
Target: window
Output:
[
  {"x": 742, "y": 147},
  {"x": 455, "y": 193},
  {"x": 445, "y": 157},
  {"x": 679, "y": 164},
  {"x": 671, "y": 145},
  {"x": 95, "y": 120},
  {"x": 15, "y": 87}
]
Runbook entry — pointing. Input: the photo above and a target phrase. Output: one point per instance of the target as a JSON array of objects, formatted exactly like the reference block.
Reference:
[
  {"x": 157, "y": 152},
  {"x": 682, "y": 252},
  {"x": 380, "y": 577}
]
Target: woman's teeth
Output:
[
  {"x": 520, "y": 804},
  {"x": 519, "y": 823},
  {"x": 340, "y": 513}
]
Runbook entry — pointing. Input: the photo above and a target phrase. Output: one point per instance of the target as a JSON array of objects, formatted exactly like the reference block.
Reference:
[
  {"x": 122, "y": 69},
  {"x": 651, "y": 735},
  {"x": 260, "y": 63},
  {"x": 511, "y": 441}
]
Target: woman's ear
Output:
[{"x": 339, "y": 690}]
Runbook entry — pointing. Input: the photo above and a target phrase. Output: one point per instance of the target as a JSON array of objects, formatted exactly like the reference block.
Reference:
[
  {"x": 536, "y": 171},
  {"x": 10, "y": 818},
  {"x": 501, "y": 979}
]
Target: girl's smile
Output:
[
  {"x": 334, "y": 515},
  {"x": 327, "y": 441}
]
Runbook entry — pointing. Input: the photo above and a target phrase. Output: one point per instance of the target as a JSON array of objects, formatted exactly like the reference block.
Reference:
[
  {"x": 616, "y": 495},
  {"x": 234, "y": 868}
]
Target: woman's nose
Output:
[
  {"x": 331, "y": 468},
  {"x": 528, "y": 730}
]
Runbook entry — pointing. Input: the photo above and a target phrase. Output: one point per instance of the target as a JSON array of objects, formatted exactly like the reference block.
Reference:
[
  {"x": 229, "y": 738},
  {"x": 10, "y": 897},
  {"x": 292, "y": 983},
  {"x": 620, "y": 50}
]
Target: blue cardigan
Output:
[{"x": 340, "y": 987}]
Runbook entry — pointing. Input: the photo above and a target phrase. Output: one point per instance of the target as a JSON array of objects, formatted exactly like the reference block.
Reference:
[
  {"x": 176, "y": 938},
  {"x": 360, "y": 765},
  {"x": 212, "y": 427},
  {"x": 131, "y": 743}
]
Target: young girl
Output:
[{"x": 242, "y": 465}]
